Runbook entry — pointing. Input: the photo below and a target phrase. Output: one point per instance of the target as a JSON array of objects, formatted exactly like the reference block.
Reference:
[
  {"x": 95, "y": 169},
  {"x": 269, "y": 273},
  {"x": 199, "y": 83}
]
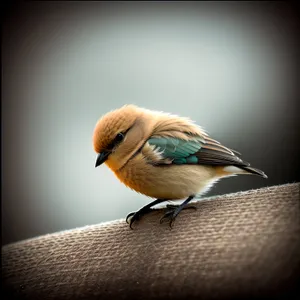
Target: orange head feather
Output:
[
  {"x": 112, "y": 123},
  {"x": 132, "y": 123}
]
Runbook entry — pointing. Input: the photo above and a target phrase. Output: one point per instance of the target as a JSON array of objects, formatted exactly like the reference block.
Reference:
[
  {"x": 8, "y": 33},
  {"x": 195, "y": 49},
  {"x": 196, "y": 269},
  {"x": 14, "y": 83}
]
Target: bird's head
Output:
[{"x": 118, "y": 135}]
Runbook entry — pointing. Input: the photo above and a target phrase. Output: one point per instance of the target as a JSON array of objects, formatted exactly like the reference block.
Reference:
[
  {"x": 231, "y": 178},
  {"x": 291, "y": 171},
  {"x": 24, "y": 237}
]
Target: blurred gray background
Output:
[{"x": 231, "y": 67}]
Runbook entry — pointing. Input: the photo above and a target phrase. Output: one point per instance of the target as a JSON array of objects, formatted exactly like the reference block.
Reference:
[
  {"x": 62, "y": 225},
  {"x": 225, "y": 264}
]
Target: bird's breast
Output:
[{"x": 165, "y": 182}]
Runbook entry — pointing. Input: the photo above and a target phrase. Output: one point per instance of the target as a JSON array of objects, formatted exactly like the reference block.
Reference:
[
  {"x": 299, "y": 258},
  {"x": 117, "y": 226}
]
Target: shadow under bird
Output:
[{"x": 163, "y": 156}]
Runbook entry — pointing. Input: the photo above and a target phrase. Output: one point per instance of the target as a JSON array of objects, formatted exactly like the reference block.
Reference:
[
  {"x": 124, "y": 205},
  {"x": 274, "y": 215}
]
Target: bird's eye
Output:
[{"x": 119, "y": 137}]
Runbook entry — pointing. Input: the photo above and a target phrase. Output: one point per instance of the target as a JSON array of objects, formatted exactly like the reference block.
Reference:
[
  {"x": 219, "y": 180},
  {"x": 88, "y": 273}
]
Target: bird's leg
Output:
[
  {"x": 172, "y": 213},
  {"x": 134, "y": 216}
]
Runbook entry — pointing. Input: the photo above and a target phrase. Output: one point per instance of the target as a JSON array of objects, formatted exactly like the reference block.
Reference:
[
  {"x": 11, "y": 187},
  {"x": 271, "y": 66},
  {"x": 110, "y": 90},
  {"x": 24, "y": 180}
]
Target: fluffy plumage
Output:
[{"x": 163, "y": 156}]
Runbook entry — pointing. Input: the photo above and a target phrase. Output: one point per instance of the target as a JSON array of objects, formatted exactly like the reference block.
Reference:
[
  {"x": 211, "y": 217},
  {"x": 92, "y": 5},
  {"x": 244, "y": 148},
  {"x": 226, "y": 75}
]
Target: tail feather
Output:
[{"x": 254, "y": 171}]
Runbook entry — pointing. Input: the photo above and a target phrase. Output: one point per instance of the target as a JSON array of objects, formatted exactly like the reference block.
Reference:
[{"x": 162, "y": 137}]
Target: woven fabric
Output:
[{"x": 232, "y": 246}]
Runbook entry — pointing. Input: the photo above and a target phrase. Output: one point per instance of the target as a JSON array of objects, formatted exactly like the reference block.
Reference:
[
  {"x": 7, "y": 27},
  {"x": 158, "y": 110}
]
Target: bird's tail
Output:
[
  {"x": 253, "y": 171},
  {"x": 225, "y": 171}
]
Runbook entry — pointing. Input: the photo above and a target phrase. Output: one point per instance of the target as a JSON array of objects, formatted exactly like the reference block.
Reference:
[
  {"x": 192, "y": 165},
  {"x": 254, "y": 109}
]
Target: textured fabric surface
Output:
[{"x": 233, "y": 246}]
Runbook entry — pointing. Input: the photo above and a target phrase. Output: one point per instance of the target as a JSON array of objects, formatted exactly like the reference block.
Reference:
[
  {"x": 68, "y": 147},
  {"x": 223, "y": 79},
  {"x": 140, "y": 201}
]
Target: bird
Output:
[{"x": 163, "y": 156}]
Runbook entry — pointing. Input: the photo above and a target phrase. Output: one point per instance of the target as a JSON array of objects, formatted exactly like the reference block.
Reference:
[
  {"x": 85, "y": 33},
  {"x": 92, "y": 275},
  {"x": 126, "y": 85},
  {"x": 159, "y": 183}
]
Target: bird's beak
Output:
[{"x": 101, "y": 158}]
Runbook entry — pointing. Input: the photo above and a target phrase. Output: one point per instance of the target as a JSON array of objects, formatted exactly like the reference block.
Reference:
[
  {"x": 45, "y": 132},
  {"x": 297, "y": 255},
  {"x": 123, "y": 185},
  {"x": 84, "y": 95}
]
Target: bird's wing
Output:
[{"x": 197, "y": 150}]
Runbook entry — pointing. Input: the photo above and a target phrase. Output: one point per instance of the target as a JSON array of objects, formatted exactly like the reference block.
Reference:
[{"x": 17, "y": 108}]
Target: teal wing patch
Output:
[
  {"x": 180, "y": 151},
  {"x": 201, "y": 151}
]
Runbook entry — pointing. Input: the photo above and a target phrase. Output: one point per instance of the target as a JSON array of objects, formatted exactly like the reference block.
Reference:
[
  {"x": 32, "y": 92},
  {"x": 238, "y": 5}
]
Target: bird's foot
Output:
[
  {"x": 172, "y": 212},
  {"x": 132, "y": 217},
  {"x": 135, "y": 216}
]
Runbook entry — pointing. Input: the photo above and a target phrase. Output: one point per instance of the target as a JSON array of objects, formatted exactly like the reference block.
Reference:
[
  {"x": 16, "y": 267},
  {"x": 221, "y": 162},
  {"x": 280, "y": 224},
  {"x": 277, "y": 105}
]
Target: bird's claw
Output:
[
  {"x": 135, "y": 216},
  {"x": 132, "y": 217},
  {"x": 168, "y": 216},
  {"x": 172, "y": 213},
  {"x": 128, "y": 216}
]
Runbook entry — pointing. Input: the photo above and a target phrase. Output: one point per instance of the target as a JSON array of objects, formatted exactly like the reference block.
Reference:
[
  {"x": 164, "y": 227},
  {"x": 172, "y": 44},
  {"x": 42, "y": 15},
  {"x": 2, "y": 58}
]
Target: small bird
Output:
[{"x": 163, "y": 156}]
